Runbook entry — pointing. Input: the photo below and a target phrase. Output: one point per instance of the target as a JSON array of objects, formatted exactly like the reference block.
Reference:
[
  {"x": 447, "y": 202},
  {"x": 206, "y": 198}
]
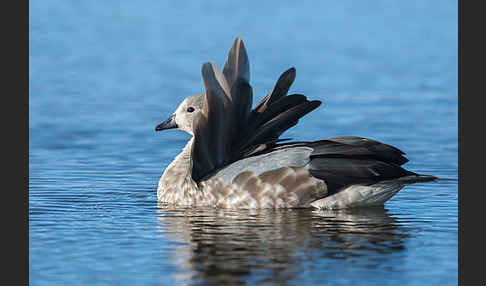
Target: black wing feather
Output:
[{"x": 229, "y": 130}]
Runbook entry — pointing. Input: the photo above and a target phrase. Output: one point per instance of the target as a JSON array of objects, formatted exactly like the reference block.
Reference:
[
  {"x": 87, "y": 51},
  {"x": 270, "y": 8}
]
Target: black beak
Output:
[{"x": 168, "y": 124}]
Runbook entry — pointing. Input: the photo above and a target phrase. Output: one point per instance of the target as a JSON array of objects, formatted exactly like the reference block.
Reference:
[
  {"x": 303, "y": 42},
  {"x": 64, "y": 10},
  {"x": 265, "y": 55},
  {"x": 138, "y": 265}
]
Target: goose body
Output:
[{"x": 236, "y": 158}]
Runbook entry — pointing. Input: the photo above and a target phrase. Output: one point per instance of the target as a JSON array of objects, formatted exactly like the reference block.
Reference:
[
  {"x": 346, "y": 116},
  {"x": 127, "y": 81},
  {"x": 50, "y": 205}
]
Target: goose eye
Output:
[{"x": 190, "y": 109}]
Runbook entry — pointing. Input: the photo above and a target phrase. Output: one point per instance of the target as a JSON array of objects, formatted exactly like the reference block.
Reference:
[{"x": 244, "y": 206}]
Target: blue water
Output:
[{"x": 103, "y": 74}]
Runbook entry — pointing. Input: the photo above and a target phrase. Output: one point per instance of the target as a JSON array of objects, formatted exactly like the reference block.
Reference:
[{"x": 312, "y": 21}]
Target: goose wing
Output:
[{"x": 228, "y": 129}]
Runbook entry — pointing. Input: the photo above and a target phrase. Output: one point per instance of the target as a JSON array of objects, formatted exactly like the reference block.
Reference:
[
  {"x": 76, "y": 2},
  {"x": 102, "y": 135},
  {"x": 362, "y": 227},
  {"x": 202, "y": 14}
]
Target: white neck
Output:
[{"x": 176, "y": 183}]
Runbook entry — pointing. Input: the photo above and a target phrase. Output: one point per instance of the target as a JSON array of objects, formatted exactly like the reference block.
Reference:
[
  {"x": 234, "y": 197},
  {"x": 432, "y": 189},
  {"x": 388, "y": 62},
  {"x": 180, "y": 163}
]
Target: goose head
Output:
[{"x": 186, "y": 115}]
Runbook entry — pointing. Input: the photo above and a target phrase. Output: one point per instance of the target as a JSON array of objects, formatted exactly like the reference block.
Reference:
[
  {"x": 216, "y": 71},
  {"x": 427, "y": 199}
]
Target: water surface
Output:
[{"x": 102, "y": 75}]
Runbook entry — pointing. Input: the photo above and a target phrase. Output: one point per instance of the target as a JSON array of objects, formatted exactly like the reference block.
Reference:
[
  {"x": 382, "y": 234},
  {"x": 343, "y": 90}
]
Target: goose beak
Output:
[{"x": 168, "y": 124}]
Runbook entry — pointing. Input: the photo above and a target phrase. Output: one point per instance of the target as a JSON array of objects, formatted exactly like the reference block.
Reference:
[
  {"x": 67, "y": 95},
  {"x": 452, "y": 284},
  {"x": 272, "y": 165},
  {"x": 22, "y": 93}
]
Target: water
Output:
[{"x": 104, "y": 74}]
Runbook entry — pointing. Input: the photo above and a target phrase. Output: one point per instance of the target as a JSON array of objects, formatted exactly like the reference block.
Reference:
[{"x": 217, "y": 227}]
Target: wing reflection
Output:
[{"x": 229, "y": 246}]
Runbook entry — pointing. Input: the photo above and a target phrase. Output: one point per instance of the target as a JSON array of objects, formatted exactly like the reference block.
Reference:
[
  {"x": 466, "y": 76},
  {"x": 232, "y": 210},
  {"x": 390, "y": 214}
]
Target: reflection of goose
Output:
[
  {"x": 217, "y": 245},
  {"x": 235, "y": 158}
]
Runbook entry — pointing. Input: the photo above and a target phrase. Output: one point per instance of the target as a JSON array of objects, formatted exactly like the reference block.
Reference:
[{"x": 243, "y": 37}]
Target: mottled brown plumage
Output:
[{"x": 235, "y": 158}]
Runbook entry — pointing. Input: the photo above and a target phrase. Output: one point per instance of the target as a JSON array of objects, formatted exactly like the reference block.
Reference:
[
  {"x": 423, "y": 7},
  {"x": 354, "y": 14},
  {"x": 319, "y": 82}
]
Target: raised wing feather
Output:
[
  {"x": 212, "y": 133},
  {"x": 237, "y": 64},
  {"x": 228, "y": 129}
]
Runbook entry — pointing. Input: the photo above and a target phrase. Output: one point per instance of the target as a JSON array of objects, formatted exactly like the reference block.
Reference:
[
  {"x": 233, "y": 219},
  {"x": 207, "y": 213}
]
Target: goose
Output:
[{"x": 236, "y": 159}]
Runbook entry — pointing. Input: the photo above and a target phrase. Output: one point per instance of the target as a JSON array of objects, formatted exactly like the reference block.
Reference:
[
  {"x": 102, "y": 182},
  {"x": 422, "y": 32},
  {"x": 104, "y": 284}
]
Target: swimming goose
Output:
[{"x": 236, "y": 159}]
